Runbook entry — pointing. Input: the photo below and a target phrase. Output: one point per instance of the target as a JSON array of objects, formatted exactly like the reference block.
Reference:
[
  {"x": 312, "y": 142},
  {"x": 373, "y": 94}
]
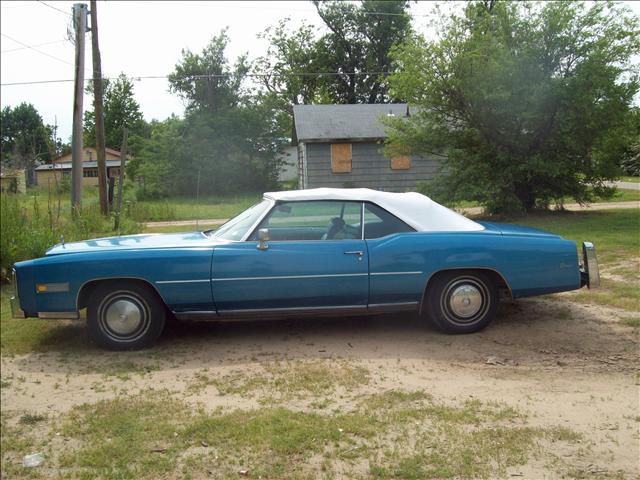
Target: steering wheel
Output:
[{"x": 336, "y": 225}]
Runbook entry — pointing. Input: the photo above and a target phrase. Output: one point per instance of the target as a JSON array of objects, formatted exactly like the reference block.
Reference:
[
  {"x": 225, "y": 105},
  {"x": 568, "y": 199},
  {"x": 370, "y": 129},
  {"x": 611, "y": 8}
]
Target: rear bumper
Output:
[{"x": 589, "y": 272}]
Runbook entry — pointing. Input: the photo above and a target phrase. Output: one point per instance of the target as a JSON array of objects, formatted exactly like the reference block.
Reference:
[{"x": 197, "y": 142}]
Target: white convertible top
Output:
[{"x": 415, "y": 209}]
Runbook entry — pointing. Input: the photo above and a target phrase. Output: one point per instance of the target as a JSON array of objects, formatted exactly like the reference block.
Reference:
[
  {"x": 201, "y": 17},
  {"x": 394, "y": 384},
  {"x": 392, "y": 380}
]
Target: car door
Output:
[{"x": 315, "y": 259}]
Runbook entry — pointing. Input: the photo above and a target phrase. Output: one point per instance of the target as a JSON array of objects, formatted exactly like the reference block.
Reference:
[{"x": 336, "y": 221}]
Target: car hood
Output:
[
  {"x": 516, "y": 230},
  {"x": 134, "y": 242}
]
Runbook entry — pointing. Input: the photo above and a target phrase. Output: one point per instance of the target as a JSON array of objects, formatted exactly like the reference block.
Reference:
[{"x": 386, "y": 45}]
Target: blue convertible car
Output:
[{"x": 309, "y": 252}]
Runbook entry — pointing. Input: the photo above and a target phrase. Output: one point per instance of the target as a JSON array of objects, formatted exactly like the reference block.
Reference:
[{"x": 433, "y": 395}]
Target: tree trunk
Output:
[{"x": 525, "y": 194}]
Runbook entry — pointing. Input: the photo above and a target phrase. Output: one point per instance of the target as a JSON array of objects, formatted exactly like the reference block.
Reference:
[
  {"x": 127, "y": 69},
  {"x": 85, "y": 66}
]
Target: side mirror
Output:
[{"x": 263, "y": 238}]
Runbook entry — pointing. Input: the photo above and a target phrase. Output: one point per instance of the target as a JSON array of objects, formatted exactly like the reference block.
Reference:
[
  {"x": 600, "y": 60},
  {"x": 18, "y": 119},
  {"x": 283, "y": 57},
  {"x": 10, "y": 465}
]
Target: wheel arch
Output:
[
  {"x": 496, "y": 277},
  {"x": 88, "y": 287}
]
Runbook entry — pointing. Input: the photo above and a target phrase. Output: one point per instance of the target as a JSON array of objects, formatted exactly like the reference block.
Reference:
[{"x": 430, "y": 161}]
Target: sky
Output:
[{"x": 138, "y": 39}]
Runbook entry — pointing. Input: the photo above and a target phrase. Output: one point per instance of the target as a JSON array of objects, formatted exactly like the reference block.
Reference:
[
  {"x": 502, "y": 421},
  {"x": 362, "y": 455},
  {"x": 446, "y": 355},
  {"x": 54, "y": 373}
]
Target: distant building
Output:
[
  {"x": 289, "y": 164},
  {"x": 343, "y": 146},
  {"x": 61, "y": 167},
  {"x": 13, "y": 180}
]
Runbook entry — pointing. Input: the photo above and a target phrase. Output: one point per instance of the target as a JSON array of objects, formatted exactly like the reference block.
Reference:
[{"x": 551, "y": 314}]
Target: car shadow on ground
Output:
[{"x": 536, "y": 332}]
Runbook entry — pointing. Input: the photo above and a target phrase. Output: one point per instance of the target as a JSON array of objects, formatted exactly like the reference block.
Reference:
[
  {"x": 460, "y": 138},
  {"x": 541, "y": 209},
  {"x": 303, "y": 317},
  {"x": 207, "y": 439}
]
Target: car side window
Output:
[
  {"x": 380, "y": 223},
  {"x": 313, "y": 220}
]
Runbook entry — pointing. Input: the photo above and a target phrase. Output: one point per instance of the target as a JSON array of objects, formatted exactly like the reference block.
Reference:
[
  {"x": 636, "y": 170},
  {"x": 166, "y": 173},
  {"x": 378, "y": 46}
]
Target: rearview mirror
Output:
[{"x": 263, "y": 238}]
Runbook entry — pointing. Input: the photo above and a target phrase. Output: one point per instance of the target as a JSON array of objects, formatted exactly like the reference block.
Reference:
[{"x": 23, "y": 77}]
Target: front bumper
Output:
[
  {"x": 16, "y": 311},
  {"x": 590, "y": 272}
]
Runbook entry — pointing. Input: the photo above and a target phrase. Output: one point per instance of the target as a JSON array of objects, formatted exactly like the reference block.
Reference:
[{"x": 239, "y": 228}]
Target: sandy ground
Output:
[{"x": 561, "y": 362}]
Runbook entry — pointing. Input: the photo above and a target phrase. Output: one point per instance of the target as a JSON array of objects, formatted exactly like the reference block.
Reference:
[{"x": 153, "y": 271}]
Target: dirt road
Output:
[{"x": 559, "y": 362}]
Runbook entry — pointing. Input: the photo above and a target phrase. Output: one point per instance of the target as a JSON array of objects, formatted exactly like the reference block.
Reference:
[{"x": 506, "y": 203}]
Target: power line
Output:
[
  {"x": 273, "y": 8},
  {"x": 54, "y": 8},
  {"x": 35, "y": 49},
  {"x": 217, "y": 75},
  {"x": 39, "y": 45}
]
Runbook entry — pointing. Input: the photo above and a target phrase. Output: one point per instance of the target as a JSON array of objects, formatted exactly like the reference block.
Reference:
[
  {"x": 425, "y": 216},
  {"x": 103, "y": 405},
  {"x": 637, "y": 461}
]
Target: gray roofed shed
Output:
[{"x": 323, "y": 123}]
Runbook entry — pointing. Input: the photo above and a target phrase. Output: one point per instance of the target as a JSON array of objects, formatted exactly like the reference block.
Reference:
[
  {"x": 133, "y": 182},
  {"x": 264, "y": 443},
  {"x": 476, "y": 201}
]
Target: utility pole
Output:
[
  {"x": 98, "y": 109},
  {"x": 80, "y": 24},
  {"x": 123, "y": 163}
]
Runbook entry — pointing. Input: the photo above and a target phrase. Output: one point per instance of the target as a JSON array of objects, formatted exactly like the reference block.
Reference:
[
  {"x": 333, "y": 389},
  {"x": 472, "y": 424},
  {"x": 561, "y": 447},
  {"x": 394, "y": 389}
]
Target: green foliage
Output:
[
  {"x": 120, "y": 110},
  {"x": 526, "y": 100},
  {"x": 27, "y": 232},
  {"x": 25, "y": 138},
  {"x": 360, "y": 38},
  {"x": 206, "y": 81},
  {"x": 228, "y": 141},
  {"x": 64, "y": 184},
  {"x": 629, "y": 143}
]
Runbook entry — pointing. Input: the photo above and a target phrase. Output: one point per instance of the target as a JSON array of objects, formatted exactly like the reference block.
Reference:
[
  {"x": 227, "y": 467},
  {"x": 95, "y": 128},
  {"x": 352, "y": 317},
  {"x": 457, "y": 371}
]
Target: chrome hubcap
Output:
[
  {"x": 465, "y": 301},
  {"x": 123, "y": 317}
]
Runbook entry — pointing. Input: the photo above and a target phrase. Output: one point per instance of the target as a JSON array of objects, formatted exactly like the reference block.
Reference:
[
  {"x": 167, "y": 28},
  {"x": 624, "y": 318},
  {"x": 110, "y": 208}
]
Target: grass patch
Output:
[
  {"x": 282, "y": 380},
  {"x": 119, "y": 436},
  {"x": 633, "y": 322},
  {"x": 612, "y": 293},
  {"x": 621, "y": 195},
  {"x": 629, "y": 178},
  {"x": 393, "y": 434},
  {"x": 614, "y": 232},
  {"x": 24, "y": 335},
  {"x": 31, "y": 419},
  {"x": 16, "y": 440},
  {"x": 190, "y": 208},
  {"x": 123, "y": 369}
]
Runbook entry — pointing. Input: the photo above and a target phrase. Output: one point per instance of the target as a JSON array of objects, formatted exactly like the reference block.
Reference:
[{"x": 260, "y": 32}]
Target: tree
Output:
[
  {"x": 289, "y": 54},
  {"x": 206, "y": 81},
  {"x": 359, "y": 40},
  {"x": 522, "y": 98},
  {"x": 228, "y": 141},
  {"x": 120, "y": 110},
  {"x": 25, "y": 138}
]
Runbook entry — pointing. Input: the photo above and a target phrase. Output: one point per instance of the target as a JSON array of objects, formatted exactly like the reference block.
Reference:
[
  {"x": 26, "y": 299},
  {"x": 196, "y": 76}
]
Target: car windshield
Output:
[{"x": 238, "y": 226}]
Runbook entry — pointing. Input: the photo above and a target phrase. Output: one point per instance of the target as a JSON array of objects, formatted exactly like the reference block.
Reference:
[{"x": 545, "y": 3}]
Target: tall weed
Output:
[{"x": 27, "y": 231}]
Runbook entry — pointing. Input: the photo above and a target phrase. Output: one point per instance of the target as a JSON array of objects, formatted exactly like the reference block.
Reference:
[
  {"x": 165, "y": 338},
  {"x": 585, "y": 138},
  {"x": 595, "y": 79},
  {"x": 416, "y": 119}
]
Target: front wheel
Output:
[
  {"x": 461, "y": 301},
  {"x": 125, "y": 316}
]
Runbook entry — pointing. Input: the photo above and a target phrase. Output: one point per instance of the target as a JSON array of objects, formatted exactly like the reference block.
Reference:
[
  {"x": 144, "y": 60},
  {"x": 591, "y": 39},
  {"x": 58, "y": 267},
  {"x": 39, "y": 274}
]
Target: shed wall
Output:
[{"x": 370, "y": 168}]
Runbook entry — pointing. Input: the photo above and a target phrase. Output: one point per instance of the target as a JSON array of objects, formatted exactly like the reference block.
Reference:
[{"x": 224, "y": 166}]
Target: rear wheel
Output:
[
  {"x": 461, "y": 301},
  {"x": 125, "y": 316}
]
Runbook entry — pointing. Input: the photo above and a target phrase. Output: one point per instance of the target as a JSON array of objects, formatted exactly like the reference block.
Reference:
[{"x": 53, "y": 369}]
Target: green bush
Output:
[
  {"x": 27, "y": 232},
  {"x": 64, "y": 185}
]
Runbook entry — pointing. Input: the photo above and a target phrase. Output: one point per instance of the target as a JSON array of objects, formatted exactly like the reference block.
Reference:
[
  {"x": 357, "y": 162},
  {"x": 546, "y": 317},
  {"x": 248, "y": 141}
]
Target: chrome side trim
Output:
[
  {"x": 289, "y": 309},
  {"x": 183, "y": 281},
  {"x": 391, "y": 307},
  {"x": 396, "y": 273},
  {"x": 289, "y": 277},
  {"x": 58, "y": 315},
  {"x": 251, "y": 229},
  {"x": 296, "y": 311},
  {"x": 399, "y": 304},
  {"x": 98, "y": 279}
]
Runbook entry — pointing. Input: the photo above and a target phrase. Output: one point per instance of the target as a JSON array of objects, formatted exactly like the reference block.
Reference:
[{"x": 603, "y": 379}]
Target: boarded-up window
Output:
[
  {"x": 400, "y": 162},
  {"x": 341, "y": 157}
]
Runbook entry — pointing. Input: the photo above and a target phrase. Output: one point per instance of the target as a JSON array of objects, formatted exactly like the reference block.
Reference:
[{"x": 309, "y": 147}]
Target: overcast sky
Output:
[{"x": 137, "y": 38}]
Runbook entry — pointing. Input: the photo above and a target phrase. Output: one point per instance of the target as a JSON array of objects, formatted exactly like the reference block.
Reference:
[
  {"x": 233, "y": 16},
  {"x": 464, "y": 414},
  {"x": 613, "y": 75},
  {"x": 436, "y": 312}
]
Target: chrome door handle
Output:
[{"x": 354, "y": 252}]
